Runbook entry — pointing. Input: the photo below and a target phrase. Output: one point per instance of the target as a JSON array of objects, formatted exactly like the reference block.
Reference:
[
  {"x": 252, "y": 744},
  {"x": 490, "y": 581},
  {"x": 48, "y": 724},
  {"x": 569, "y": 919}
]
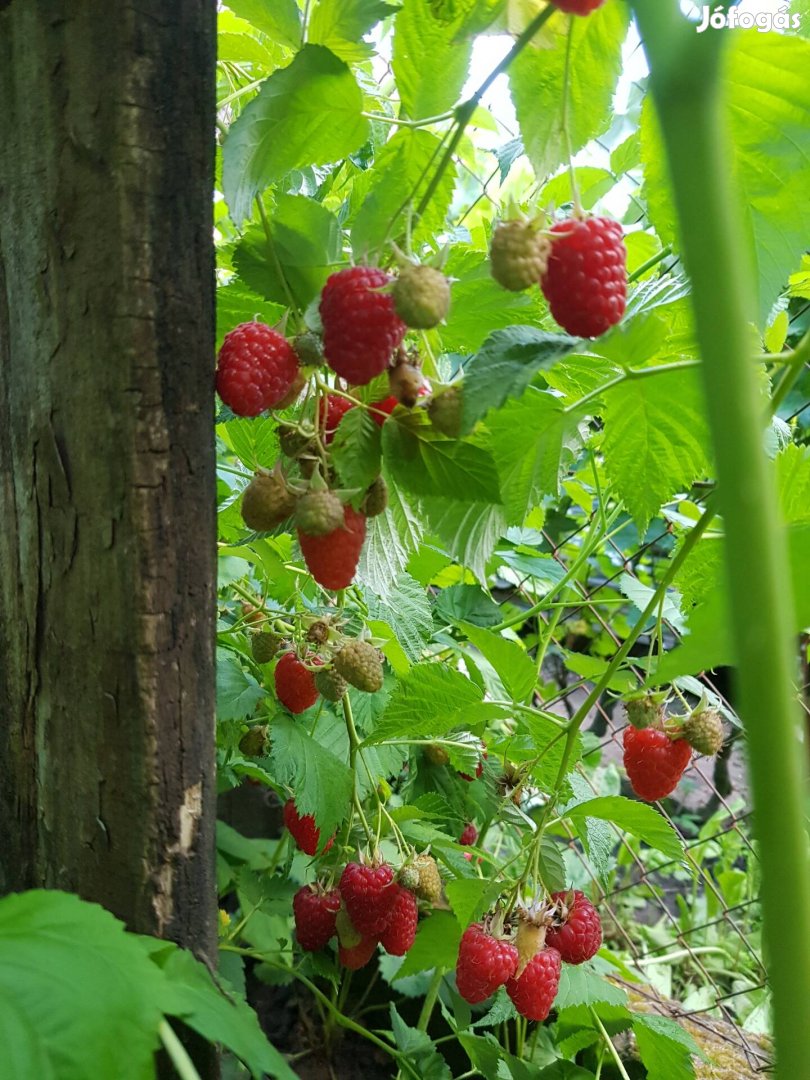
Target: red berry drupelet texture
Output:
[
  {"x": 332, "y": 412},
  {"x": 303, "y": 829},
  {"x": 654, "y": 762},
  {"x": 361, "y": 328},
  {"x": 332, "y": 559},
  {"x": 579, "y": 936},
  {"x": 257, "y": 368},
  {"x": 534, "y": 992},
  {"x": 369, "y": 894},
  {"x": 398, "y": 936},
  {"x": 484, "y": 963},
  {"x": 469, "y": 834},
  {"x": 578, "y": 7},
  {"x": 295, "y": 684},
  {"x": 357, "y": 956},
  {"x": 585, "y": 282},
  {"x": 314, "y": 912}
]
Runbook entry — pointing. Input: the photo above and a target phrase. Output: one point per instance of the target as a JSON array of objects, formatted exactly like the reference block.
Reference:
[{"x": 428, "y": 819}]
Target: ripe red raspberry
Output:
[
  {"x": 585, "y": 282},
  {"x": 469, "y": 834},
  {"x": 257, "y": 368},
  {"x": 399, "y": 935},
  {"x": 654, "y": 762},
  {"x": 579, "y": 934},
  {"x": 369, "y": 894},
  {"x": 303, "y": 829},
  {"x": 484, "y": 963},
  {"x": 314, "y": 912},
  {"x": 331, "y": 411},
  {"x": 357, "y": 956},
  {"x": 332, "y": 559},
  {"x": 295, "y": 685},
  {"x": 578, "y": 7},
  {"x": 386, "y": 407},
  {"x": 534, "y": 992},
  {"x": 361, "y": 328}
]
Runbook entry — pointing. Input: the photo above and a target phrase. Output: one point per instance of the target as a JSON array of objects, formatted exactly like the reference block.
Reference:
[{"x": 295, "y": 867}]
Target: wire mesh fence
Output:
[{"x": 657, "y": 890}]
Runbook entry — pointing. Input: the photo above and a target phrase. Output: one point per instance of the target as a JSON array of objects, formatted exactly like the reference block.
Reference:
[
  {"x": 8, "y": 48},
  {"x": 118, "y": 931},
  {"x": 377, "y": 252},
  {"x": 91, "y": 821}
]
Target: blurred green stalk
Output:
[{"x": 685, "y": 79}]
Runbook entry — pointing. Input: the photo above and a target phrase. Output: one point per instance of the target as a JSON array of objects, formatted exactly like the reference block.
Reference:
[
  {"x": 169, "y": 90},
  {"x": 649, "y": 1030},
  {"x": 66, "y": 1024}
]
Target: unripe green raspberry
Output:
[
  {"x": 375, "y": 500},
  {"x": 266, "y": 502},
  {"x": 359, "y": 663},
  {"x": 255, "y": 742},
  {"x": 430, "y": 881},
  {"x": 409, "y": 877},
  {"x": 318, "y": 513},
  {"x": 421, "y": 296},
  {"x": 264, "y": 646},
  {"x": 309, "y": 349},
  {"x": 518, "y": 255},
  {"x": 330, "y": 684},
  {"x": 703, "y": 730},
  {"x": 644, "y": 710},
  {"x": 444, "y": 411}
]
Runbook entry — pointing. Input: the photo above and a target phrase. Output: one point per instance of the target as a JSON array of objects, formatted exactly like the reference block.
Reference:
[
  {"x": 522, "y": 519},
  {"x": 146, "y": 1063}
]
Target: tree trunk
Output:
[{"x": 107, "y": 543}]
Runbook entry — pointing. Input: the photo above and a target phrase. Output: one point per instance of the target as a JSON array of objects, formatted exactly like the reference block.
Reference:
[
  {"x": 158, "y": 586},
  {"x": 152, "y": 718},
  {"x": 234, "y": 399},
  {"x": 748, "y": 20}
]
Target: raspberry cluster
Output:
[
  {"x": 368, "y": 907},
  {"x": 566, "y": 929},
  {"x": 299, "y": 682}
]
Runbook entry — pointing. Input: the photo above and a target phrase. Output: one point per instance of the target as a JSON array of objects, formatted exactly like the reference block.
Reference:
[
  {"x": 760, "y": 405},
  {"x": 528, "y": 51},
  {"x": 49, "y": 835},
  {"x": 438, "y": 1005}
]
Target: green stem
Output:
[
  {"x": 183, "y": 1065},
  {"x": 399, "y": 121},
  {"x": 796, "y": 361},
  {"x": 430, "y": 999},
  {"x": 596, "y": 537},
  {"x": 685, "y": 82},
  {"x": 614, "y": 1053},
  {"x": 340, "y": 1018},
  {"x": 627, "y": 375},
  {"x": 564, "y": 122},
  {"x": 354, "y": 746},
  {"x": 619, "y": 657},
  {"x": 240, "y": 93},
  {"x": 654, "y": 260},
  {"x": 466, "y": 109}
]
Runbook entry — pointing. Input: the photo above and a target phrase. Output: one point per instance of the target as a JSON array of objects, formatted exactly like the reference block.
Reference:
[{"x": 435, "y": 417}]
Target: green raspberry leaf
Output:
[
  {"x": 83, "y": 985},
  {"x": 403, "y": 166},
  {"x": 505, "y": 365},
  {"x": 655, "y": 442},
  {"x": 425, "y": 463},
  {"x": 306, "y": 248},
  {"x": 536, "y": 81},
  {"x": 323, "y": 783},
  {"x": 356, "y": 449},
  {"x": 279, "y": 20},
  {"x": 424, "y": 46},
  {"x": 340, "y": 25},
  {"x": 308, "y": 113},
  {"x": 634, "y": 817},
  {"x": 429, "y": 702}
]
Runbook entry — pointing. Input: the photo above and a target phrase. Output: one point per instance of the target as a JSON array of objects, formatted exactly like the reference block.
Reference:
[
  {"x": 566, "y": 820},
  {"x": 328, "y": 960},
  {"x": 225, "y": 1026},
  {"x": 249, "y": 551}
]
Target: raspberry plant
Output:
[{"x": 503, "y": 393}]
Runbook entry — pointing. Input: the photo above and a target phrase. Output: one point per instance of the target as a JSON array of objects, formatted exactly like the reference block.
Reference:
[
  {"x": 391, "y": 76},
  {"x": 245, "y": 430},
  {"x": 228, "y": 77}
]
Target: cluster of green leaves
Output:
[
  {"x": 82, "y": 998},
  {"x": 334, "y": 133}
]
